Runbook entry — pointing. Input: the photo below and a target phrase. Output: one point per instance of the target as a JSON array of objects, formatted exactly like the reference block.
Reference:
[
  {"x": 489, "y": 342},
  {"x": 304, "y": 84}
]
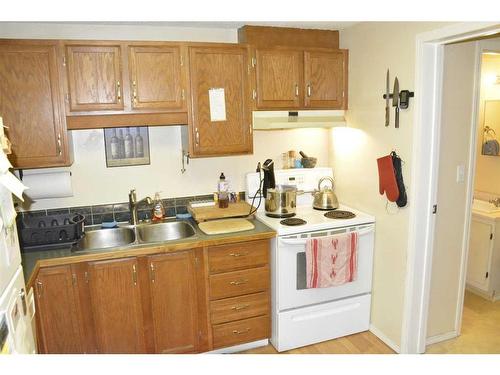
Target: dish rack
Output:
[{"x": 50, "y": 230}]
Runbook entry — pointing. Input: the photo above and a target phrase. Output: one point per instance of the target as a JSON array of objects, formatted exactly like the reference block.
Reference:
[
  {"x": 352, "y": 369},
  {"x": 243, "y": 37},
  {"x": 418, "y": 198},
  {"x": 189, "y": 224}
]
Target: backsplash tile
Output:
[{"x": 120, "y": 211}]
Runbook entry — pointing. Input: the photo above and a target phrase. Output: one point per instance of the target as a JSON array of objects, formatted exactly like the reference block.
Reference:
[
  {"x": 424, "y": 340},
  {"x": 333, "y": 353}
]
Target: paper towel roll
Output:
[{"x": 48, "y": 184}]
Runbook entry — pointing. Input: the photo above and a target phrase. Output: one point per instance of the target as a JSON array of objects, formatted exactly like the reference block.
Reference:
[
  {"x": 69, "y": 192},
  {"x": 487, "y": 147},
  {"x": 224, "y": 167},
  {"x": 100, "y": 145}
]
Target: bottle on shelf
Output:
[
  {"x": 115, "y": 146},
  {"x": 121, "y": 141},
  {"x": 129, "y": 144},
  {"x": 139, "y": 143}
]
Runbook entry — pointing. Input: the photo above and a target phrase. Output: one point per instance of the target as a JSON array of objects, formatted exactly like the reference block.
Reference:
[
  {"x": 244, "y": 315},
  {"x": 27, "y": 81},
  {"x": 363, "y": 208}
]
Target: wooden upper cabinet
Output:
[
  {"x": 58, "y": 309},
  {"x": 116, "y": 304},
  {"x": 94, "y": 74},
  {"x": 279, "y": 78},
  {"x": 155, "y": 77},
  {"x": 224, "y": 67},
  {"x": 31, "y": 104},
  {"x": 325, "y": 78},
  {"x": 174, "y": 302}
]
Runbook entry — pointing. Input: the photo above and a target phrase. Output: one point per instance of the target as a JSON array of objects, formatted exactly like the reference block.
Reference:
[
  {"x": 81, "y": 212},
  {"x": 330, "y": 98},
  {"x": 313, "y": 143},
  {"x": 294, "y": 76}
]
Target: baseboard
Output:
[
  {"x": 241, "y": 347},
  {"x": 443, "y": 337},
  {"x": 391, "y": 344}
]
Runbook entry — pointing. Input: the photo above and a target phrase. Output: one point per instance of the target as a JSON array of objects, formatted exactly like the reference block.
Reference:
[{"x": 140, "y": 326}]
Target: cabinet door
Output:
[
  {"x": 31, "y": 105},
  {"x": 325, "y": 77},
  {"x": 279, "y": 77},
  {"x": 220, "y": 68},
  {"x": 479, "y": 259},
  {"x": 155, "y": 77},
  {"x": 94, "y": 78},
  {"x": 116, "y": 306},
  {"x": 58, "y": 311},
  {"x": 173, "y": 300}
]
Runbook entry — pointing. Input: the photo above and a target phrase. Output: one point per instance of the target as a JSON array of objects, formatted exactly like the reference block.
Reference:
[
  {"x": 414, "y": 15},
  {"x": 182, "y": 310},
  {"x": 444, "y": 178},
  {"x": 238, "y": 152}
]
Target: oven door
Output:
[{"x": 291, "y": 261}]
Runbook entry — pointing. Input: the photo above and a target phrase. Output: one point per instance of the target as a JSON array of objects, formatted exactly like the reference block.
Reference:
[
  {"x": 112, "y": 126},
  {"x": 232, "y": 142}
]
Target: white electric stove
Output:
[{"x": 302, "y": 316}]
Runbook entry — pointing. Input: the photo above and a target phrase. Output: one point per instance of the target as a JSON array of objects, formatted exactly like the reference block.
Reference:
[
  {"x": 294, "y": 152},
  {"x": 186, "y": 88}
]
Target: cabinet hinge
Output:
[
  {"x": 182, "y": 61},
  {"x": 66, "y": 97},
  {"x": 435, "y": 209},
  {"x": 196, "y": 261},
  {"x": 254, "y": 94},
  {"x": 64, "y": 61},
  {"x": 199, "y": 334},
  {"x": 183, "y": 94},
  {"x": 254, "y": 62},
  {"x": 487, "y": 274},
  {"x": 491, "y": 236},
  {"x": 73, "y": 278}
]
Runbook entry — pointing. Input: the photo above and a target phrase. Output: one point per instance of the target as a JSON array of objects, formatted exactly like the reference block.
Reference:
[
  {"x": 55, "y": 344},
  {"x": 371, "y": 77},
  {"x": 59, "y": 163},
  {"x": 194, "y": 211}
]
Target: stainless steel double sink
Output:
[{"x": 129, "y": 235}]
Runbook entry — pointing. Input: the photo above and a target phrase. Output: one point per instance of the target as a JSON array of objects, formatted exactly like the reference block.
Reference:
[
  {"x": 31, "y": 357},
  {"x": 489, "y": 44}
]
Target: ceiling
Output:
[{"x": 325, "y": 25}]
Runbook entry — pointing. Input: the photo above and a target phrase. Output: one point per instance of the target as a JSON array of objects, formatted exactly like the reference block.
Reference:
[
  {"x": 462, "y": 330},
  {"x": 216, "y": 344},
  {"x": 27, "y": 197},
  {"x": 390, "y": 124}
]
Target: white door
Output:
[{"x": 480, "y": 249}]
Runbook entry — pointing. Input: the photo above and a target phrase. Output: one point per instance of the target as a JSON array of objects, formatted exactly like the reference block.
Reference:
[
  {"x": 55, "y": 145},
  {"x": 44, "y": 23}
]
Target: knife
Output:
[
  {"x": 395, "y": 101},
  {"x": 387, "y": 112}
]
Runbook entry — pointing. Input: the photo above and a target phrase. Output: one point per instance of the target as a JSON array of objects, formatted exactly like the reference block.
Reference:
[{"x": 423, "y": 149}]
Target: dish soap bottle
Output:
[
  {"x": 158, "y": 209},
  {"x": 223, "y": 191}
]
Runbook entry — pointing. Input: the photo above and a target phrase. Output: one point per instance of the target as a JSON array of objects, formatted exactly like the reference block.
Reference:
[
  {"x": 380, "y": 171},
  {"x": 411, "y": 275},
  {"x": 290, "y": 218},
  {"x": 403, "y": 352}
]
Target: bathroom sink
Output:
[
  {"x": 106, "y": 238},
  {"x": 484, "y": 206},
  {"x": 168, "y": 231}
]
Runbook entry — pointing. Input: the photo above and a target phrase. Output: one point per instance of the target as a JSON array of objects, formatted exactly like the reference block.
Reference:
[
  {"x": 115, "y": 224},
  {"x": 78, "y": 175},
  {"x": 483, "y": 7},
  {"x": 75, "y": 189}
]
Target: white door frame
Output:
[{"x": 424, "y": 173}]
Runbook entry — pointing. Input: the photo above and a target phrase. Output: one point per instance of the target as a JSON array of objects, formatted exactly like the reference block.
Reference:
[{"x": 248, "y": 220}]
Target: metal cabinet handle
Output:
[
  {"x": 309, "y": 89},
  {"x": 240, "y": 307},
  {"x": 59, "y": 144},
  {"x": 238, "y": 282},
  {"x": 118, "y": 91},
  {"x": 134, "y": 92},
  {"x": 236, "y": 332},
  {"x": 39, "y": 288},
  {"x": 296, "y": 89},
  {"x": 152, "y": 268},
  {"x": 134, "y": 274},
  {"x": 197, "y": 137},
  {"x": 236, "y": 255}
]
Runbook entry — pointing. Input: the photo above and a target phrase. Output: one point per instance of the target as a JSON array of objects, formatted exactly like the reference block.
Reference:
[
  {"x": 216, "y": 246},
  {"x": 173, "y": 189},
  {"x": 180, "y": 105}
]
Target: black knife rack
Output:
[{"x": 402, "y": 93}]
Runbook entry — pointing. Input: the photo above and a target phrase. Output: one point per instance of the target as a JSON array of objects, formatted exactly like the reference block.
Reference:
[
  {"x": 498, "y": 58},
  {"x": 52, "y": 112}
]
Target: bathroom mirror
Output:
[{"x": 491, "y": 128}]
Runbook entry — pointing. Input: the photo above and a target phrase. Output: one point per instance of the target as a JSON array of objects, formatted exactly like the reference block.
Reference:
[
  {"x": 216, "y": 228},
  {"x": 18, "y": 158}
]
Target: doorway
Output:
[
  {"x": 463, "y": 239},
  {"x": 425, "y": 174}
]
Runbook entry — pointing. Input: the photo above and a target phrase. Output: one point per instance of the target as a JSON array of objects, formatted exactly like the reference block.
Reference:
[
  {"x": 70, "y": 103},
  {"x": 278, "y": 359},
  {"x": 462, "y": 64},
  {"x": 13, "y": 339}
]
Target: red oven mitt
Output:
[{"x": 387, "y": 178}]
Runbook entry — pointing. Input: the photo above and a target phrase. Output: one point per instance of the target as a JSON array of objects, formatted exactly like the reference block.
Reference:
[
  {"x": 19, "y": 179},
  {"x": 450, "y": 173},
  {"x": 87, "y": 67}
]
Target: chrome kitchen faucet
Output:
[{"x": 133, "y": 203}]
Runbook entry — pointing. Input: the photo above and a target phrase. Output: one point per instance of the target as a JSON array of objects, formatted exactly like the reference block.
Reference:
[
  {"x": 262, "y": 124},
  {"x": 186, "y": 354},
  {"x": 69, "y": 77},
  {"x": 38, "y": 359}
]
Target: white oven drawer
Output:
[
  {"x": 313, "y": 324},
  {"x": 290, "y": 261}
]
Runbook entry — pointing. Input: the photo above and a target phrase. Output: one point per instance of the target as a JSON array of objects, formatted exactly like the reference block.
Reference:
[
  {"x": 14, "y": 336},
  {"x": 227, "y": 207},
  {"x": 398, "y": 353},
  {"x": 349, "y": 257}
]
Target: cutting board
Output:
[
  {"x": 225, "y": 226},
  {"x": 214, "y": 212}
]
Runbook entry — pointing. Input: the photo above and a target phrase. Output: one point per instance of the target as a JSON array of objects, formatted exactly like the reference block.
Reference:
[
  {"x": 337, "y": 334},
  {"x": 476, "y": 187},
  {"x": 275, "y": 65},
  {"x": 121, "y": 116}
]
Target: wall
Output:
[
  {"x": 456, "y": 123},
  {"x": 373, "y": 48},
  {"x": 487, "y": 177},
  {"x": 93, "y": 183}
]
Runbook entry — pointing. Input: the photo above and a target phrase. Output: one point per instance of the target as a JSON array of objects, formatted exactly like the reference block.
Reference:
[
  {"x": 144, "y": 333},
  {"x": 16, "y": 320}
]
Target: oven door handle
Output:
[{"x": 303, "y": 241}]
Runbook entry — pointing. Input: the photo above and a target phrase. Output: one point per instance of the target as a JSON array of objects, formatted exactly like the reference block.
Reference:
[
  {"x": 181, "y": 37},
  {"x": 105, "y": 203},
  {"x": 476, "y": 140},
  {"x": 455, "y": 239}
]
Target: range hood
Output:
[{"x": 275, "y": 120}]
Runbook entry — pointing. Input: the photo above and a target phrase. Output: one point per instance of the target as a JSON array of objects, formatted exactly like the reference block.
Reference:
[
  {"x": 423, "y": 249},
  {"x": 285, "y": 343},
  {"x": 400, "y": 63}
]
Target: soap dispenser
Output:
[{"x": 158, "y": 209}]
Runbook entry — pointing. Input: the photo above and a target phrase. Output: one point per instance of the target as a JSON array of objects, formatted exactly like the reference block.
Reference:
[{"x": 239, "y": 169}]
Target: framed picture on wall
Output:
[{"x": 126, "y": 146}]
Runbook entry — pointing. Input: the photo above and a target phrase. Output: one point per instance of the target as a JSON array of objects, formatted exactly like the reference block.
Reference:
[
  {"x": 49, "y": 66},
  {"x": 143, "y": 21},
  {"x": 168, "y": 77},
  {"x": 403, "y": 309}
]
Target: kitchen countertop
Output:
[{"x": 32, "y": 261}]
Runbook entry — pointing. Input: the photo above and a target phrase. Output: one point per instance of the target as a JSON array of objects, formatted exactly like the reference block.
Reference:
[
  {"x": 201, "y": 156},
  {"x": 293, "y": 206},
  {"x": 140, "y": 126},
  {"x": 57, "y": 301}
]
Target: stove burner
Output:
[
  {"x": 293, "y": 221},
  {"x": 340, "y": 214}
]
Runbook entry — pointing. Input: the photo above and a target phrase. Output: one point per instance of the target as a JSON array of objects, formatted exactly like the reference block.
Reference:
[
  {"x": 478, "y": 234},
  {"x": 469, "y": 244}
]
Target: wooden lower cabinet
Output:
[
  {"x": 159, "y": 303},
  {"x": 115, "y": 297},
  {"x": 174, "y": 302},
  {"x": 59, "y": 328}
]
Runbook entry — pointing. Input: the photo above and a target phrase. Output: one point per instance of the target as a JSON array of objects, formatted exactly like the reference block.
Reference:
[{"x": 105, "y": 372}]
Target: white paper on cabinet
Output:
[{"x": 217, "y": 101}]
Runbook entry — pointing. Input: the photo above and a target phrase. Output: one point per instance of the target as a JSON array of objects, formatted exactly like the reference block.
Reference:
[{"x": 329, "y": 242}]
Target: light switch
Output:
[{"x": 460, "y": 173}]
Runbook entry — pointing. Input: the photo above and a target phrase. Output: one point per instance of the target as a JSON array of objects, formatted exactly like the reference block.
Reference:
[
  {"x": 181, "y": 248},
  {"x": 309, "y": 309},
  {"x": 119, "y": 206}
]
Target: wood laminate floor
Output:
[
  {"x": 480, "y": 329},
  {"x": 480, "y": 335}
]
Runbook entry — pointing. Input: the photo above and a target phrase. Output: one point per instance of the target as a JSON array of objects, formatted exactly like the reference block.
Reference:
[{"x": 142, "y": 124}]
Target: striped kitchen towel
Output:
[{"x": 332, "y": 261}]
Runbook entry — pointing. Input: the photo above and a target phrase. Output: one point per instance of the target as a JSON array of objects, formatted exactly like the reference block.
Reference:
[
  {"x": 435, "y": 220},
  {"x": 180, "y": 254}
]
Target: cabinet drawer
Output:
[
  {"x": 238, "y": 283},
  {"x": 237, "y": 308},
  {"x": 238, "y": 256},
  {"x": 239, "y": 332}
]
